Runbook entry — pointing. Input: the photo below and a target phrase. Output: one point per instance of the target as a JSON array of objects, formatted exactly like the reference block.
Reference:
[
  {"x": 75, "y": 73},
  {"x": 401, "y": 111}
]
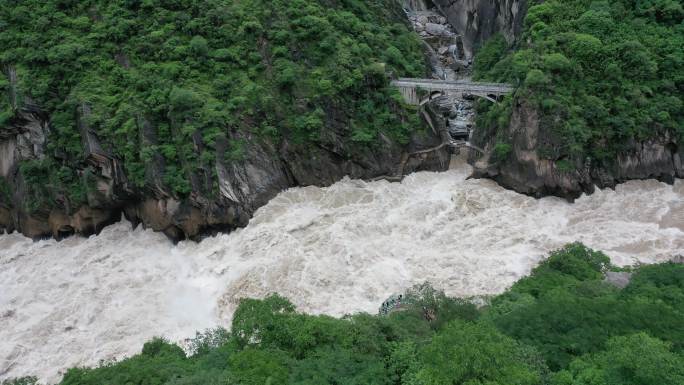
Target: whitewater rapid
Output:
[{"x": 332, "y": 250}]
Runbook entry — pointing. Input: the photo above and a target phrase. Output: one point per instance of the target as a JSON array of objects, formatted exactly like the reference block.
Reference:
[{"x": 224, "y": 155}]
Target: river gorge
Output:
[{"x": 334, "y": 250}]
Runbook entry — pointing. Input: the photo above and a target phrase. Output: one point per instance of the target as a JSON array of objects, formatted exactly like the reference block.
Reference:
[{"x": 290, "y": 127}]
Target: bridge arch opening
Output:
[
  {"x": 432, "y": 95},
  {"x": 489, "y": 97}
]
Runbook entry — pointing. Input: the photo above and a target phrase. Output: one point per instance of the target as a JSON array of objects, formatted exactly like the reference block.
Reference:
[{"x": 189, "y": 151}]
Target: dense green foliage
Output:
[
  {"x": 602, "y": 74},
  {"x": 563, "y": 325},
  {"x": 49, "y": 183},
  {"x": 178, "y": 78},
  {"x": 565, "y": 310}
]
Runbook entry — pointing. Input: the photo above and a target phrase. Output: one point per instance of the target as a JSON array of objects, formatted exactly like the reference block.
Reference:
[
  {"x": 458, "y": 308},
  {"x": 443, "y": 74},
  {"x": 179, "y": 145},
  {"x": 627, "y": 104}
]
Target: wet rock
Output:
[
  {"x": 460, "y": 65},
  {"x": 86, "y": 221},
  {"x": 178, "y": 220},
  {"x": 6, "y": 221},
  {"x": 89, "y": 220},
  {"x": 437, "y": 19},
  {"x": 33, "y": 226},
  {"x": 436, "y": 29},
  {"x": 60, "y": 224}
]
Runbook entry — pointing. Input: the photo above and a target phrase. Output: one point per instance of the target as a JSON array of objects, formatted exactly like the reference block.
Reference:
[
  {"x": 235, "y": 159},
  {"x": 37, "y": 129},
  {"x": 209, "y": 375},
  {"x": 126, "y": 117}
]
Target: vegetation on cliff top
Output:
[
  {"x": 602, "y": 74},
  {"x": 178, "y": 78},
  {"x": 563, "y": 325}
]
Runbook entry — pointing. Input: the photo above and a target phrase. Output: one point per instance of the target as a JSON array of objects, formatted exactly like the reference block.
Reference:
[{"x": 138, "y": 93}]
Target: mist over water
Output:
[{"x": 332, "y": 250}]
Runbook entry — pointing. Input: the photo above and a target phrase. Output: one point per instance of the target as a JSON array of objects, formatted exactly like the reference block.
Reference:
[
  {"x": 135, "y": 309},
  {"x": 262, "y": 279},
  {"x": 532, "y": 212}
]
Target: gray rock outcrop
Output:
[
  {"x": 527, "y": 172},
  {"x": 244, "y": 185},
  {"x": 478, "y": 20}
]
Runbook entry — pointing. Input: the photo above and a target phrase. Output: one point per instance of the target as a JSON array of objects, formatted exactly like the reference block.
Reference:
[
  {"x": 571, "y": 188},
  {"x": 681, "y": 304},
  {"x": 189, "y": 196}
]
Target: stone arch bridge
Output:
[{"x": 409, "y": 89}]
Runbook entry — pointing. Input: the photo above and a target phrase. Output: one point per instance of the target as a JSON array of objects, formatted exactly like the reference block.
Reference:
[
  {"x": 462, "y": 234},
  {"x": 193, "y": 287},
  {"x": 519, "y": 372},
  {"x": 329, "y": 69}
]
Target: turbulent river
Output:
[{"x": 331, "y": 250}]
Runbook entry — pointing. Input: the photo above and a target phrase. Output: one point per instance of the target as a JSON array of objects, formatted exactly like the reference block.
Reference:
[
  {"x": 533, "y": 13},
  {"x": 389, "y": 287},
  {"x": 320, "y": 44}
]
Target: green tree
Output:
[
  {"x": 466, "y": 353},
  {"x": 199, "y": 46},
  {"x": 631, "y": 360},
  {"x": 259, "y": 367}
]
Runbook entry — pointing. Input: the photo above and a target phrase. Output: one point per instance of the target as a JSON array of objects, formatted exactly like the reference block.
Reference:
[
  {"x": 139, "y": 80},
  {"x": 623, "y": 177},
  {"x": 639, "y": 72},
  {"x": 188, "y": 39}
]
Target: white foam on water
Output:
[{"x": 334, "y": 250}]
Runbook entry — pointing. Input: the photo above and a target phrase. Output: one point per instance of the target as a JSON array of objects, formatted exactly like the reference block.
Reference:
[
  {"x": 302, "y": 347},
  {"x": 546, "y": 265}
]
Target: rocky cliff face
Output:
[
  {"x": 266, "y": 169},
  {"x": 478, "y": 20},
  {"x": 527, "y": 172},
  {"x": 189, "y": 132}
]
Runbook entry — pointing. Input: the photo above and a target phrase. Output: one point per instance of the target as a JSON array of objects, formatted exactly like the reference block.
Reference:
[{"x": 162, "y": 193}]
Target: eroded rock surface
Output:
[
  {"x": 244, "y": 185},
  {"x": 529, "y": 173},
  {"x": 478, "y": 20}
]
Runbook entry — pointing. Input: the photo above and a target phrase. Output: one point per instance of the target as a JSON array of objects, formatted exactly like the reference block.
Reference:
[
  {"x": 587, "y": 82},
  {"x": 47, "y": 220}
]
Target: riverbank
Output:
[{"x": 622, "y": 325}]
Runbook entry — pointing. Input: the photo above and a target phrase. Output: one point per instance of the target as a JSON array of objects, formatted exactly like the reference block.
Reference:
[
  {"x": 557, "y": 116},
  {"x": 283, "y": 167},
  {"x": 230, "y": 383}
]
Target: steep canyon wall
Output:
[{"x": 478, "y": 20}]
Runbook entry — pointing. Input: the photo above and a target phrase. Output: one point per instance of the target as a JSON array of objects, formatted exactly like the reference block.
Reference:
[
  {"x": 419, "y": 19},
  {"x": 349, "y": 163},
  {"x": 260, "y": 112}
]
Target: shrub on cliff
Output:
[
  {"x": 565, "y": 309},
  {"x": 602, "y": 74},
  {"x": 465, "y": 353},
  {"x": 631, "y": 360},
  {"x": 184, "y": 73}
]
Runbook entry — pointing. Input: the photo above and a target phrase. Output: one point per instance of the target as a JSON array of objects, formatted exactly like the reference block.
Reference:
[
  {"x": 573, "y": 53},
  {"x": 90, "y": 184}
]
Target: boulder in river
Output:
[{"x": 436, "y": 29}]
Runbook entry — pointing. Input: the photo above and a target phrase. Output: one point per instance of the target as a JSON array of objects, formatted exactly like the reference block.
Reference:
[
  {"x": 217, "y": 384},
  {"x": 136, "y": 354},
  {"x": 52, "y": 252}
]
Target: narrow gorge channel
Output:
[{"x": 332, "y": 250}]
